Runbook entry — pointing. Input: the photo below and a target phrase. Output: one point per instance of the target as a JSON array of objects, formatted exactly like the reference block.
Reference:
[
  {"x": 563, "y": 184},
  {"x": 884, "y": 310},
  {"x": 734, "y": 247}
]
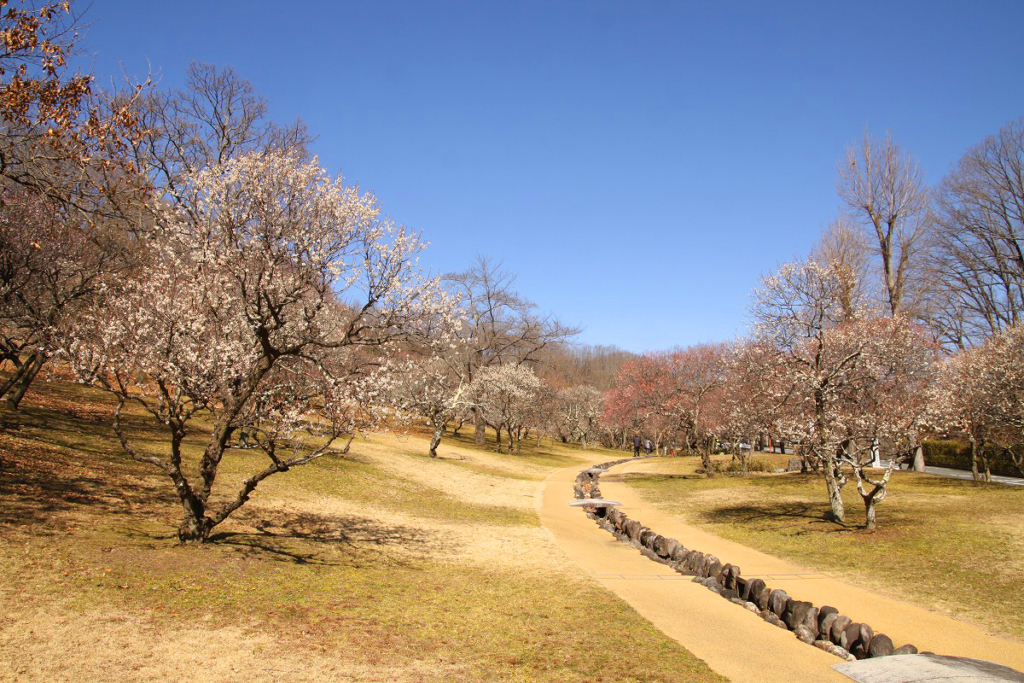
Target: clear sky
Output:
[{"x": 638, "y": 165}]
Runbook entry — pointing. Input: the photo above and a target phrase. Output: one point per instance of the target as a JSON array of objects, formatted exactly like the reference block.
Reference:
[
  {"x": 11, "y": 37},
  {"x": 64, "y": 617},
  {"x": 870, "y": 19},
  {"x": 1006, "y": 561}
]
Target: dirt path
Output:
[{"x": 734, "y": 642}]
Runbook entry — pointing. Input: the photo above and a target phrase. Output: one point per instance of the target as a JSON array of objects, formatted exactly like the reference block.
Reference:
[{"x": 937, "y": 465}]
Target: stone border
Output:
[{"x": 823, "y": 627}]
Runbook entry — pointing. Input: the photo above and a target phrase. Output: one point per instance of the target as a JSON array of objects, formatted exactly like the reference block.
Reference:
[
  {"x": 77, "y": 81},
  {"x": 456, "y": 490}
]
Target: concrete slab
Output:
[
  {"x": 928, "y": 667},
  {"x": 594, "y": 502}
]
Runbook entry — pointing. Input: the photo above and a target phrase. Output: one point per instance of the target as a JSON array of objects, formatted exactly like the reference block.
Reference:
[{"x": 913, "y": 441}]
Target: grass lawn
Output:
[
  {"x": 383, "y": 565},
  {"x": 946, "y": 544}
]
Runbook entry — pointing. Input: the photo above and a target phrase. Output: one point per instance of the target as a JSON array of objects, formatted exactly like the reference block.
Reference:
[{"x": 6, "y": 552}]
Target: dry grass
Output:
[
  {"x": 384, "y": 565},
  {"x": 946, "y": 544}
]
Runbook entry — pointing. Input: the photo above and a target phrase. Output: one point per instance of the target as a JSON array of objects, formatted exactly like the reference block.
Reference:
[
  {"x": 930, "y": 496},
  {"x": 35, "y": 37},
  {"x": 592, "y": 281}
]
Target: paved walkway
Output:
[
  {"x": 965, "y": 474},
  {"x": 733, "y": 641}
]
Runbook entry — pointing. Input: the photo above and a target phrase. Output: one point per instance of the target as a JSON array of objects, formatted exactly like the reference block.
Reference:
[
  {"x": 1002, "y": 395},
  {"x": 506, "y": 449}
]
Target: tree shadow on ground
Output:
[
  {"x": 653, "y": 478},
  {"x": 42, "y": 480},
  {"x": 803, "y": 518},
  {"x": 309, "y": 538}
]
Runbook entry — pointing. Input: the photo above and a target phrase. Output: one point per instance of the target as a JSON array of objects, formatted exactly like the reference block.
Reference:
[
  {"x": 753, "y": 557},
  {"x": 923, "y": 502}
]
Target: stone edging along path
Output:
[{"x": 822, "y": 627}]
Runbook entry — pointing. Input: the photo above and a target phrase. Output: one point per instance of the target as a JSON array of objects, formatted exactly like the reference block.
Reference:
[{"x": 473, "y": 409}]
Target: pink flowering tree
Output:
[
  {"x": 794, "y": 313},
  {"x": 980, "y": 395},
  {"x": 695, "y": 378},
  {"x": 885, "y": 403},
  {"x": 270, "y": 303},
  {"x": 1003, "y": 358},
  {"x": 853, "y": 382},
  {"x": 633, "y": 406},
  {"x": 665, "y": 395},
  {"x": 754, "y": 394}
]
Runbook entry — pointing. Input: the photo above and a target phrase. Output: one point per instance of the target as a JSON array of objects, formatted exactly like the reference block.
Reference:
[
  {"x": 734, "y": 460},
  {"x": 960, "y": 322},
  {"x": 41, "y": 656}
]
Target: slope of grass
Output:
[
  {"x": 946, "y": 544},
  {"x": 346, "y": 569}
]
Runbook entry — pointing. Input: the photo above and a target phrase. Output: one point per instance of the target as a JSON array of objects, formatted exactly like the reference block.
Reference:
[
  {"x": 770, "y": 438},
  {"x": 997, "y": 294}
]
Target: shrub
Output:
[
  {"x": 736, "y": 467},
  {"x": 957, "y": 455}
]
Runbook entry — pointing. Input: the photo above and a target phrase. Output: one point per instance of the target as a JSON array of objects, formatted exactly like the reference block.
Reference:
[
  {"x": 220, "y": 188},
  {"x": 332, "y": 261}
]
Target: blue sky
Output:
[{"x": 638, "y": 165}]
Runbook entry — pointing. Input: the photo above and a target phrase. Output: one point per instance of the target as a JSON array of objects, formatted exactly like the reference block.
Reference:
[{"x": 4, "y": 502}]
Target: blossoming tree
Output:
[
  {"x": 981, "y": 396},
  {"x": 506, "y": 393},
  {"x": 269, "y": 306},
  {"x": 852, "y": 381}
]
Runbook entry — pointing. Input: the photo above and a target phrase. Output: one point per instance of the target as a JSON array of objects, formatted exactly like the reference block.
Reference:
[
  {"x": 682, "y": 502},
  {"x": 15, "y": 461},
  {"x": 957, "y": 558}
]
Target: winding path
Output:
[{"x": 733, "y": 641}]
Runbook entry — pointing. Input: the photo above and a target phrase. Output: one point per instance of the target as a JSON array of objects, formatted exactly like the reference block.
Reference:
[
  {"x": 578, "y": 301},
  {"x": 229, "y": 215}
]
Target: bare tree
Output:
[
  {"x": 591, "y": 365},
  {"x": 844, "y": 247},
  {"x": 981, "y": 238},
  {"x": 500, "y": 327},
  {"x": 883, "y": 188},
  {"x": 215, "y": 117}
]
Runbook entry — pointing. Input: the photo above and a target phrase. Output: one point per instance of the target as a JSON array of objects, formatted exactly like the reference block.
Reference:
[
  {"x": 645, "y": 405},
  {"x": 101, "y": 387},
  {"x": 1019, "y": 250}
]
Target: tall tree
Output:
[
  {"x": 794, "y": 312},
  {"x": 883, "y": 188},
  {"x": 981, "y": 238},
  {"x": 500, "y": 326},
  {"x": 216, "y": 117}
]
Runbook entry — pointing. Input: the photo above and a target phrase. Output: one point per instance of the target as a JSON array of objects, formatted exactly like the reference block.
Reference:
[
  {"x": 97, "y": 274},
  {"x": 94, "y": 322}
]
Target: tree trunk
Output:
[
  {"x": 978, "y": 454},
  {"x": 480, "y": 429},
  {"x": 193, "y": 529},
  {"x": 974, "y": 458},
  {"x": 919, "y": 459},
  {"x": 834, "y": 486},
  {"x": 20, "y": 368},
  {"x": 705, "y": 459},
  {"x": 26, "y": 379},
  {"x": 869, "y": 512},
  {"x": 435, "y": 440}
]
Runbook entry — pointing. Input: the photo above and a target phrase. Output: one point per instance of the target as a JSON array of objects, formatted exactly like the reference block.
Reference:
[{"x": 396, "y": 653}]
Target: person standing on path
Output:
[
  {"x": 647, "y": 446},
  {"x": 636, "y": 446}
]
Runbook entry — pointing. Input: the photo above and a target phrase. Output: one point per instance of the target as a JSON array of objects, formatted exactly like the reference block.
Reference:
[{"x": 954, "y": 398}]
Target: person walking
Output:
[
  {"x": 648, "y": 446},
  {"x": 636, "y": 446}
]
